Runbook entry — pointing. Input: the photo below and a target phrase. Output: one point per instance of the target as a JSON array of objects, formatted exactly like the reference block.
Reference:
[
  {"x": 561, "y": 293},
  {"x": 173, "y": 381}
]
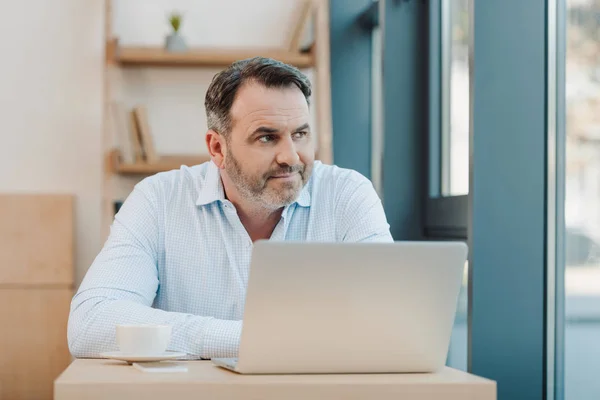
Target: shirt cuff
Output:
[{"x": 221, "y": 339}]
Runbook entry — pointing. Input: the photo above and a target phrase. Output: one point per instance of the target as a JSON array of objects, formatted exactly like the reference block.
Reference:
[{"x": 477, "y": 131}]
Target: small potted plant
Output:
[{"x": 175, "y": 42}]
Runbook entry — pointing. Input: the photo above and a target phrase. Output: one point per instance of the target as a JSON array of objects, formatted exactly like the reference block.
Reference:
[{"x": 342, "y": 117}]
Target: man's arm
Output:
[
  {"x": 360, "y": 212},
  {"x": 121, "y": 285}
]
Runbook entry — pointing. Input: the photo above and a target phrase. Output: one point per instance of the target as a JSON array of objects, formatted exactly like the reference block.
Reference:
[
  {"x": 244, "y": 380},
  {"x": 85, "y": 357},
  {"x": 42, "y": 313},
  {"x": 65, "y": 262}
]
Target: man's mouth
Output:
[{"x": 284, "y": 176}]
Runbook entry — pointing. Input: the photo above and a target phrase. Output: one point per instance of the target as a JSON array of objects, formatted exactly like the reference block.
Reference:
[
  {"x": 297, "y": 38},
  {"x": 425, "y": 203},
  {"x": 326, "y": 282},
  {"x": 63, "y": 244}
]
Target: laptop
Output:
[{"x": 349, "y": 307}]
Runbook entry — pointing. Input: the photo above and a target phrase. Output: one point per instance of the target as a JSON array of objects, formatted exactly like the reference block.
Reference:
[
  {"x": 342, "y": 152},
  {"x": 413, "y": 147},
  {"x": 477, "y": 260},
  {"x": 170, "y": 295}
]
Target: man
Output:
[{"x": 180, "y": 246}]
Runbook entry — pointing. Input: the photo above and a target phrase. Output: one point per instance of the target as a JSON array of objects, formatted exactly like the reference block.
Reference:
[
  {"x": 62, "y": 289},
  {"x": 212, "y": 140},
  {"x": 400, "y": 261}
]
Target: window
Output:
[
  {"x": 582, "y": 201},
  {"x": 449, "y": 110},
  {"x": 455, "y": 95},
  {"x": 449, "y": 119}
]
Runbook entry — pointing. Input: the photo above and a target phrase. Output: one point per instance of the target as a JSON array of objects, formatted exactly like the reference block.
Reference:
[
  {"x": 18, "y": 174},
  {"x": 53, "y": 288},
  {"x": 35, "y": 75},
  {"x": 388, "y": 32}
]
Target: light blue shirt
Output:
[{"x": 178, "y": 254}]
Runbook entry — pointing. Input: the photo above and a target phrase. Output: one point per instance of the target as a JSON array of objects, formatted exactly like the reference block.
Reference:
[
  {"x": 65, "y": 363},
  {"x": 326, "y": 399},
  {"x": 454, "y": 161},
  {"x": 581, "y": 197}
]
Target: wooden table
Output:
[{"x": 114, "y": 380}]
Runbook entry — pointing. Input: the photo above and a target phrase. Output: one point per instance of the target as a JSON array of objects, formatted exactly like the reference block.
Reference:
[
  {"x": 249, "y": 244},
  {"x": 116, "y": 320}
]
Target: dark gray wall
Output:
[
  {"x": 405, "y": 102},
  {"x": 405, "y": 86},
  {"x": 350, "y": 86},
  {"x": 508, "y": 197}
]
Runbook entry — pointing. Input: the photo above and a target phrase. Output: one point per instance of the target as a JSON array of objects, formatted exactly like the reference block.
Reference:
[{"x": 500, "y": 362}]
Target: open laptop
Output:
[{"x": 349, "y": 307}]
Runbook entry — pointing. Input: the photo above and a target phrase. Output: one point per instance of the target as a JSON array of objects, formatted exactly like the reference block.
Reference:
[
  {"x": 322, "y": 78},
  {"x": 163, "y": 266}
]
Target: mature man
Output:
[{"x": 179, "y": 249}]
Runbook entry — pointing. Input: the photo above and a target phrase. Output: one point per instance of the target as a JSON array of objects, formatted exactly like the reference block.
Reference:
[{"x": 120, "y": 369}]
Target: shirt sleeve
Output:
[
  {"x": 121, "y": 285},
  {"x": 360, "y": 212}
]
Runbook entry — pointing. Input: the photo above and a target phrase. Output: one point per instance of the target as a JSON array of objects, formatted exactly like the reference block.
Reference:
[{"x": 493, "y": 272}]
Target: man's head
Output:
[{"x": 259, "y": 133}]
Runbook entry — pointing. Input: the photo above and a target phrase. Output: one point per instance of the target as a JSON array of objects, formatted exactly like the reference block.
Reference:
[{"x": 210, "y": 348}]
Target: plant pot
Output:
[{"x": 175, "y": 43}]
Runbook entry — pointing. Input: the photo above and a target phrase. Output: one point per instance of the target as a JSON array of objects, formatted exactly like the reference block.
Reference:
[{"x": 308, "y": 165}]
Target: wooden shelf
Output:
[
  {"x": 149, "y": 56},
  {"x": 165, "y": 163}
]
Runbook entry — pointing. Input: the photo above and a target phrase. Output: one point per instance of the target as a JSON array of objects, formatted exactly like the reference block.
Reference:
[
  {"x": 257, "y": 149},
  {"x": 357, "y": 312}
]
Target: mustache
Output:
[{"x": 290, "y": 169}]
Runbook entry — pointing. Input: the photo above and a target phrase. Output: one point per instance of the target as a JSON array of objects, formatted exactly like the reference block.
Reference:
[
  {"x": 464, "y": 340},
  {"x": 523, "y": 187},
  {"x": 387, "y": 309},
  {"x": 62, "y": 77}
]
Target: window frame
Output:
[
  {"x": 445, "y": 216},
  {"x": 515, "y": 207},
  {"x": 539, "y": 372}
]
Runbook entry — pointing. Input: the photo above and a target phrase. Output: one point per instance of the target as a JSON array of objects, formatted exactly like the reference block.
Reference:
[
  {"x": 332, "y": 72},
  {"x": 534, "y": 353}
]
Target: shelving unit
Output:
[
  {"x": 158, "y": 57},
  {"x": 165, "y": 163},
  {"x": 118, "y": 173}
]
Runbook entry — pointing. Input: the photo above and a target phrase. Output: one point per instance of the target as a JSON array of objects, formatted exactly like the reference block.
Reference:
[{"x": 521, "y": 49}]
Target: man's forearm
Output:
[{"x": 94, "y": 318}]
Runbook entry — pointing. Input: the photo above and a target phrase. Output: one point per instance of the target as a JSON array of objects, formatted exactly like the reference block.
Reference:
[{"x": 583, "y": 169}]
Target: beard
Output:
[{"x": 264, "y": 189}]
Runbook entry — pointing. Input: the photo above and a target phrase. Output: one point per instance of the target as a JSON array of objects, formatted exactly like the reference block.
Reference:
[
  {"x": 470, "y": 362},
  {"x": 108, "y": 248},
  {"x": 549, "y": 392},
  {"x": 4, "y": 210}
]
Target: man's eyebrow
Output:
[
  {"x": 264, "y": 129},
  {"x": 302, "y": 128}
]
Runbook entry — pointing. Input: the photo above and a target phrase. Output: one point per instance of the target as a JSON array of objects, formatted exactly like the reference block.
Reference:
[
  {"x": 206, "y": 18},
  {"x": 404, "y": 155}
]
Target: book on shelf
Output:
[
  {"x": 123, "y": 133},
  {"x": 136, "y": 144},
  {"x": 144, "y": 134}
]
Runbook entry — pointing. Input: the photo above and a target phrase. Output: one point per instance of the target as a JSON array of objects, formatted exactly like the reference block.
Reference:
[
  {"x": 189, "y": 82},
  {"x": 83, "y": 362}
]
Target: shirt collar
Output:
[
  {"x": 303, "y": 199},
  {"x": 212, "y": 189}
]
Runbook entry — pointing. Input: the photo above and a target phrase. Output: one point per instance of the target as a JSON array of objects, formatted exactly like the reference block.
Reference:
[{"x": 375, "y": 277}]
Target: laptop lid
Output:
[{"x": 350, "y": 307}]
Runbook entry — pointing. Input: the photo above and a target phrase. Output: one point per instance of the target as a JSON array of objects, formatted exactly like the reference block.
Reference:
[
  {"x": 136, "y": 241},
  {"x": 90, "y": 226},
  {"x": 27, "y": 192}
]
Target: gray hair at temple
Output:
[{"x": 265, "y": 71}]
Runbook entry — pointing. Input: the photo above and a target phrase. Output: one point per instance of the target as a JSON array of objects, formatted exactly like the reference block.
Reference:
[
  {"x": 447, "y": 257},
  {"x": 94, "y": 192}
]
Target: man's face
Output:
[{"x": 270, "y": 150}]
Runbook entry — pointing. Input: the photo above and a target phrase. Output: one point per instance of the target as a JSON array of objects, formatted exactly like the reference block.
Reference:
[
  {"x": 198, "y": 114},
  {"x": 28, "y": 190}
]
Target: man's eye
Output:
[
  {"x": 299, "y": 135},
  {"x": 266, "y": 138}
]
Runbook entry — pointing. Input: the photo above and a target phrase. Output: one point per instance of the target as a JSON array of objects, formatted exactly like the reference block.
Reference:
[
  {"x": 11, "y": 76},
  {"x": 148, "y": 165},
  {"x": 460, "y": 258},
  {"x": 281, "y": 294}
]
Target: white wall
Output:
[
  {"x": 51, "y": 89},
  {"x": 51, "y": 106}
]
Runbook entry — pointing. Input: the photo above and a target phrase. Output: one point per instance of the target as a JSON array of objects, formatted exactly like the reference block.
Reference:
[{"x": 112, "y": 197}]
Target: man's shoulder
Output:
[
  {"x": 329, "y": 175},
  {"x": 333, "y": 188},
  {"x": 331, "y": 184}
]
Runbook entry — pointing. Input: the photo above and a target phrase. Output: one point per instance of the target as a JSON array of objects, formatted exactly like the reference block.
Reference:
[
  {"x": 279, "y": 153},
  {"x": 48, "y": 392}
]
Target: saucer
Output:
[{"x": 131, "y": 358}]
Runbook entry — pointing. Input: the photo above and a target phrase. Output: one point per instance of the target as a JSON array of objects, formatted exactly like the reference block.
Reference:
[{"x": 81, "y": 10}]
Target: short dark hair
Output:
[{"x": 225, "y": 85}]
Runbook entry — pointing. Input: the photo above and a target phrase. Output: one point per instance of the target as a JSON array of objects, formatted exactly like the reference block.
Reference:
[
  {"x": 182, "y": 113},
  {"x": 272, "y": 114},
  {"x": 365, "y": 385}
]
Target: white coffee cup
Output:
[{"x": 143, "y": 339}]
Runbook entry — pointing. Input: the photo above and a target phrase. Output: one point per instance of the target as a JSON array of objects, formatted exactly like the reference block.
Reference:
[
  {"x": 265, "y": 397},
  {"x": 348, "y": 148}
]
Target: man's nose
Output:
[{"x": 287, "y": 153}]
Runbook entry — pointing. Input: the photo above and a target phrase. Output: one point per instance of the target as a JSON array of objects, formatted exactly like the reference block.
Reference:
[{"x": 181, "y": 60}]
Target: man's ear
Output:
[{"x": 216, "y": 147}]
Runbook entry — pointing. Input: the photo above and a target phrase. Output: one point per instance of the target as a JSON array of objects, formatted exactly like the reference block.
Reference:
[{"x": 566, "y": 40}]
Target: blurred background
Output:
[{"x": 96, "y": 95}]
